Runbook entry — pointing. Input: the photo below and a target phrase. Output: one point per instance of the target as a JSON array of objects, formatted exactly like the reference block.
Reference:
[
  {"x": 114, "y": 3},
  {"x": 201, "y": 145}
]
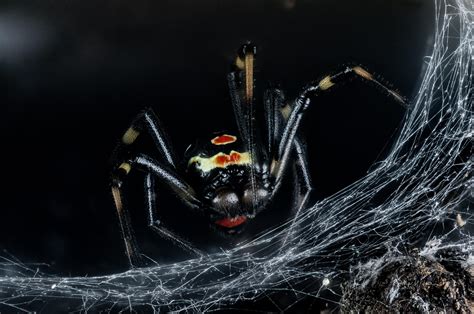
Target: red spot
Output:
[
  {"x": 231, "y": 222},
  {"x": 222, "y": 159},
  {"x": 223, "y": 139},
  {"x": 234, "y": 157}
]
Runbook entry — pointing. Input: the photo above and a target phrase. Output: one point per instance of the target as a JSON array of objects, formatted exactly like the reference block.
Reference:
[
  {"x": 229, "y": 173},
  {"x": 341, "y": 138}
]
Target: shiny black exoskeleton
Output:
[
  {"x": 225, "y": 182},
  {"x": 229, "y": 178}
]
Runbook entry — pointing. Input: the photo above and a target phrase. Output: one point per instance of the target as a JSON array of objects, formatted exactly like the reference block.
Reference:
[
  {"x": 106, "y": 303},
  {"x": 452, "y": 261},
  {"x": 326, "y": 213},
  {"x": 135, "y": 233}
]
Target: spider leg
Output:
[
  {"x": 303, "y": 185},
  {"x": 242, "y": 86},
  {"x": 128, "y": 234},
  {"x": 302, "y": 102},
  {"x": 237, "y": 105},
  {"x": 303, "y": 176},
  {"x": 167, "y": 175},
  {"x": 276, "y": 114},
  {"x": 274, "y": 117},
  {"x": 149, "y": 122},
  {"x": 156, "y": 225}
]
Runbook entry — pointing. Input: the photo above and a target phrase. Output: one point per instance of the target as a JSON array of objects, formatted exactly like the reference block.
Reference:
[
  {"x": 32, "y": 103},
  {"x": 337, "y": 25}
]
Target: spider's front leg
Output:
[
  {"x": 156, "y": 224},
  {"x": 242, "y": 91},
  {"x": 168, "y": 176},
  {"x": 241, "y": 85},
  {"x": 147, "y": 121},
  {"x": 303, "y": 101},
  {"x": 165, "y": 169}
]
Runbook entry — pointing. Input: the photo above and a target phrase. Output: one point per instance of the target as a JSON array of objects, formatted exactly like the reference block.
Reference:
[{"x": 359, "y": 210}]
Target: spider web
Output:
[{"x": 421, "y": 193}]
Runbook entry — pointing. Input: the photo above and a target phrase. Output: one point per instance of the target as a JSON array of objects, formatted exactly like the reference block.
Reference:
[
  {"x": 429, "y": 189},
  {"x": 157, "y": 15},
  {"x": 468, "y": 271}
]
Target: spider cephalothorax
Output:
[{"x": 228, "y": 177}]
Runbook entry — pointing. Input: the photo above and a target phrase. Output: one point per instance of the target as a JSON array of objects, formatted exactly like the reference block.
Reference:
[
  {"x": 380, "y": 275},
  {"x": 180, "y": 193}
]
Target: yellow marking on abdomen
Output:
[
  {"x": 130, "y": 136},
  {"x": 326, "y": 83},
  {"x": 220, "y": 160}
]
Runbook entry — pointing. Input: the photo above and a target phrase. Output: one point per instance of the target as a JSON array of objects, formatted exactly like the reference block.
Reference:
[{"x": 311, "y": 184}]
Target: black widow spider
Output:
[{"x": 235, "y": 176}]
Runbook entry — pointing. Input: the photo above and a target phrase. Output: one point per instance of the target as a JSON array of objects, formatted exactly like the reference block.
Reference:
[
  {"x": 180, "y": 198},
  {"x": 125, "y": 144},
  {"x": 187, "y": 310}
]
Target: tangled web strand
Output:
[{"x": 425, "y": 180}]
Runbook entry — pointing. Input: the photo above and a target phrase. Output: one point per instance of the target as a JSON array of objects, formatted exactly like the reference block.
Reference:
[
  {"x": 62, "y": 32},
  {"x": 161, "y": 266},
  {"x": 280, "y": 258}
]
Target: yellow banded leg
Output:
[
  {"x": 249, "y": 68},
  {"x": 130, "y": 136},
  {"x": 358, "y": 71},
  {"x": 131, "y": 248}
]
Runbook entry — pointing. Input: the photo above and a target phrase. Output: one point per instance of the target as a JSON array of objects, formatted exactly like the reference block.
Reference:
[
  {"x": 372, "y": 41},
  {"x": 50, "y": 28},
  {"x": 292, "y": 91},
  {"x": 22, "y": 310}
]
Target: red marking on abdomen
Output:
[
  {"x": 222, "y": 160},
  {"x": 234, "y": 157},
  {"x": 223, "y": 139}
]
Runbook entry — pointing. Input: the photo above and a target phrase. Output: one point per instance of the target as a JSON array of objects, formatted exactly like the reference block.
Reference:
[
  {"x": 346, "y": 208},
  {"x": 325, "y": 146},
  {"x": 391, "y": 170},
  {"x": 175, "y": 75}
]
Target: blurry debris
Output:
[
  {"x": 413, "y": 283},
  {"x": 22, "y": 36},
  {"x": 459, "y": 221},
  {"x": 289, "y": 4},
  {"x": 326, "y": 282}
]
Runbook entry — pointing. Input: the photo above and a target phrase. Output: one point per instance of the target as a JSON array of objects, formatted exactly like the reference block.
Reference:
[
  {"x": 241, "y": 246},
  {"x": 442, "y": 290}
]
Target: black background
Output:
[{"x": 73, "y": 74}]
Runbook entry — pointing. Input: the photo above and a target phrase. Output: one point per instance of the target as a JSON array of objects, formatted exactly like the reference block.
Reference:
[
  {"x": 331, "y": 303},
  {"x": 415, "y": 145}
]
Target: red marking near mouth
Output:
[
  {"x": 223, "y": 139},
  {"x": 231, "y": 222}
]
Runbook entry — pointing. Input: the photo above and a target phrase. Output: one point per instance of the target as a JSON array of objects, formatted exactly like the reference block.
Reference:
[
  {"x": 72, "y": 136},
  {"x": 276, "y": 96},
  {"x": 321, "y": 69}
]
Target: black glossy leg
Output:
[
  {"x": 302, "y": 102},
  {"x": 149, "y": 122},
  {"x": 128, "y": 234},
  {"x": 242, "y": 85},
  {"x": 274, "y": 119},
  {"x": 237, "y": 99},
  {"x": 303, "y": 185},
  {"x": 277, "y": 113},
  {"x": 167, "y": 176},
  {"x": 303, "y": 177},
  {"x": 156, "y": 224}
]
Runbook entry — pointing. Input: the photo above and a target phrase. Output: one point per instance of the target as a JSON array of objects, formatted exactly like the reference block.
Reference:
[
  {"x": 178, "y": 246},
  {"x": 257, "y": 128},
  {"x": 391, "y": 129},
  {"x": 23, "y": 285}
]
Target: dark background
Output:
[{"x": 73, "y": 74}]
